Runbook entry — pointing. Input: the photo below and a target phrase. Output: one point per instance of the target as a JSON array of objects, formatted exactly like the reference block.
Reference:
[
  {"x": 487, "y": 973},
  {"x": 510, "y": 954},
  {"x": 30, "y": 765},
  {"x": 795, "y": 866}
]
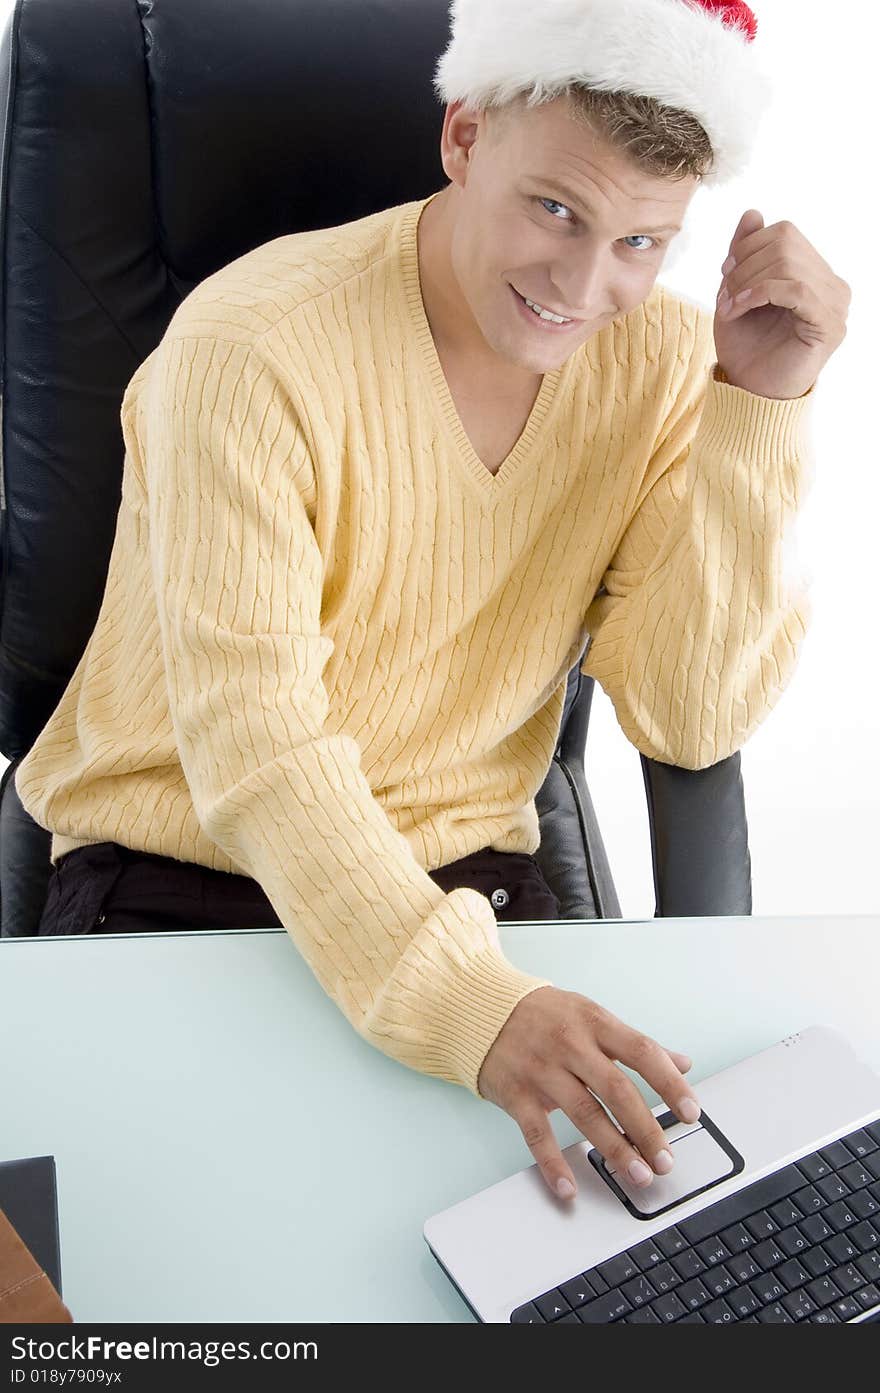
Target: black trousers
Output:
[{"x": 110, "y": 889}]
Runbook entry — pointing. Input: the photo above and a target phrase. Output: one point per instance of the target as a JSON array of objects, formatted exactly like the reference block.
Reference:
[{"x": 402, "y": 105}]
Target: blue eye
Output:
[
  {"x": 545, "y": 201},
  {"x": 635, "y": 238}
]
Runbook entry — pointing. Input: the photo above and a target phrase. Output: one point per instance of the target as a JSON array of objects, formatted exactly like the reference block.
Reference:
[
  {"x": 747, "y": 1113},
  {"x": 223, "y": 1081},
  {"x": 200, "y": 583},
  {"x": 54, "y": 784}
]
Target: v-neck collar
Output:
[{"x": 551, "y": 389}]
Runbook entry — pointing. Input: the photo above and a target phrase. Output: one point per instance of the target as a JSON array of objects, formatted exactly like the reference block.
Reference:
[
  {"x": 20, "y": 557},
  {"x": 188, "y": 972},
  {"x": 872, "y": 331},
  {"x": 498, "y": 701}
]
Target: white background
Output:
[{"x": 812, "y": 770}]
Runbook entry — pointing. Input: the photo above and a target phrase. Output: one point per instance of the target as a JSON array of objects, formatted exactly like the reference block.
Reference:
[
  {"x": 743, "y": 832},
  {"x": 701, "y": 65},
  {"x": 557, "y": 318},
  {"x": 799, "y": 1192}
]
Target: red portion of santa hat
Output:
[{"x": 735, "y": 14}]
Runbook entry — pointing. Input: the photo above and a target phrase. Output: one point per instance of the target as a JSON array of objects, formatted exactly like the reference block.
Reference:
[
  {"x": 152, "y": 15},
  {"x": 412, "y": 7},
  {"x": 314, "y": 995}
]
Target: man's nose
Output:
[{"x": 584, "y": 286}]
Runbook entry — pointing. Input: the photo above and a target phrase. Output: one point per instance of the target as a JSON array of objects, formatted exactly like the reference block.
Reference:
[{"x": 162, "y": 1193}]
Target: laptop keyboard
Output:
[{"x": 803, "y": 1244}]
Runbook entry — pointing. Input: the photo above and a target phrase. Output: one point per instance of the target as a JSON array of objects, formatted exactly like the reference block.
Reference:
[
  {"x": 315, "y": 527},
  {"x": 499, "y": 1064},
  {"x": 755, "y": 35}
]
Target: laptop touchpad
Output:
[{"x": 703, "y": 1158}]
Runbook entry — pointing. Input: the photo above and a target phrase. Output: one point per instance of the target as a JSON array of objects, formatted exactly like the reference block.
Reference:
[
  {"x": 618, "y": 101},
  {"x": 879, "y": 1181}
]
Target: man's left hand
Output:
[{"x": 776, "y": 340}]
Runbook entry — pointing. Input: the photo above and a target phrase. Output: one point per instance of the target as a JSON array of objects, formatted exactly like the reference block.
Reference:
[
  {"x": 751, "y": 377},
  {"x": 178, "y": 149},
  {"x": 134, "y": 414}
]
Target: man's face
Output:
[{"x": 541, "y": 208}]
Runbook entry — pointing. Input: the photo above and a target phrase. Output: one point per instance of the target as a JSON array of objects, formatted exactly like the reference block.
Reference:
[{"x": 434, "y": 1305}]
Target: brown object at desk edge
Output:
[{"x": 26, "y": 1294}]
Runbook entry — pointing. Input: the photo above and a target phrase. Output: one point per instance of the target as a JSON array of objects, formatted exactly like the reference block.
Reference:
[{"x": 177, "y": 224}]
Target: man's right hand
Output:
[{"x": 558, "y": 1049}]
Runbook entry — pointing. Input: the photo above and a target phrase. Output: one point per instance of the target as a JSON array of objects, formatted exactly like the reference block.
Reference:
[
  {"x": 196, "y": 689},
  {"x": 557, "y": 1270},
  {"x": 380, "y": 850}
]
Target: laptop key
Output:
[
  {"x": 617, "y": 1270},
  {"x": 577, "y": 1291},
  {"x": 664, "y": 1277},
  {"x": 869, "y": 1263},
  {"x": 813, "y": 1167},
  {"x": 840, "y": 1248},
  {"x": 688, "y": 1264},
  {"x": 670, "y": 1241},
  {"x": 799, "y": 1305},
  {"x": 857, "y": 1175},
  {"x": 839, "y": 1215},
  {"x": 775, "y": 1315},
  {"x": 719, "y": 1313},
  {"x": 785, "y": 1212},
  {"x": 767, "y": 1288},
  {"x": 817, "y": 1261},
  {"x": 639, "y": 1292},
  {"x": 737, "y": 1237},
  {"x": 836, "y": 1155},
  {"x": 864, "y": 1204},
  {"x": 712, "y": 1251},
  {"x": 743, "y": 1267},
  {"x": 848, "y": 1278},
  {"x": 767, "y": 1255},
  {"x": 646, "y": 1255},
  {"x": 846, "y": 1308},
  {"x": 809, "y": 1199},
  {"x": 744, "y": 1301},
  {"x": 718, "y": 1280},
  {"x": 825, "y": 1318},
  {"x": 833, "y": 1187},
  {"x": 815, "y": 1227},
  {"x": 604, "y": 1309},
  {"x": 873, "y": 1130},
  {"x": 693, "y": 1294},
  {"x": 756, "y": 1196},
  {"x": 792, "y": 1274},
  {"x": 868, "y": 1297},
  {"x": 823, "y": 1291},
  {"x": 792, "y": 1240},
  {"x": 668, "y": 1307},
  {"x": 527, "y": 1315},
  {"x": 860, "y": 1143},
  {"x": 645, "y": 1316},
  {"x": 761, "y": 1225},
  {"x": 552, "y": 1304}
]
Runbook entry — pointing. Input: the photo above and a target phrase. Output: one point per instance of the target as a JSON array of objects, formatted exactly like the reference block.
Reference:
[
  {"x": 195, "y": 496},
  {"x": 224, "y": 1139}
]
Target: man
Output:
[{"x": 381, "y": 482}]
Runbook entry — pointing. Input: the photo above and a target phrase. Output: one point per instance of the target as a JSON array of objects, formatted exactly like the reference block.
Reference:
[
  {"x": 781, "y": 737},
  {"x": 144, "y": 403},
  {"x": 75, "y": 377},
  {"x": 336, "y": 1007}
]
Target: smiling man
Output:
[
  {"x": 545, "y": 235},
  {"x": 382, "y": 482}
]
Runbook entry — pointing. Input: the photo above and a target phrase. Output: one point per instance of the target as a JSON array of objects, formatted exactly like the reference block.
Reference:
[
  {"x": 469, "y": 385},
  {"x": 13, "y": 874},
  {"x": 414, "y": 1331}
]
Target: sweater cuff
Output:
[
  {"x": 450, "y": 993},
  {"x": 478, "y": 1002},
  {"x": 735, "y": 421}
]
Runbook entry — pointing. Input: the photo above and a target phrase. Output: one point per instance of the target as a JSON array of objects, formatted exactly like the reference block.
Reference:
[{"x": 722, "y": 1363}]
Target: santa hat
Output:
[{"x": 695, "y": 55}]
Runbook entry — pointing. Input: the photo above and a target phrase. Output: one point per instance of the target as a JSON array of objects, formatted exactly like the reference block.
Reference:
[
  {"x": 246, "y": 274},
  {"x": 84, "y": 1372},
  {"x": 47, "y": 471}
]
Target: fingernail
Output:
[
  {"x": 640, "y": 1173},
  {"x": 725, "y": 303},
  {"x": 564, "y": 1189},
  {"x": 728, "y": 266},
  {"x": 663, "y": 1162},
  {"x": 688, "y": 1110}
]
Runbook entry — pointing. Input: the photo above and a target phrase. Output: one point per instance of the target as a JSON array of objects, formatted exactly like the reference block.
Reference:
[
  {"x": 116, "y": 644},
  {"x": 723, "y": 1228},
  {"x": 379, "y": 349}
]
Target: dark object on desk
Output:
[
  {"x": 30, "y": 1267},
  {"x": 97, "y": 89},
  {"x": 29, "y": 1199}
]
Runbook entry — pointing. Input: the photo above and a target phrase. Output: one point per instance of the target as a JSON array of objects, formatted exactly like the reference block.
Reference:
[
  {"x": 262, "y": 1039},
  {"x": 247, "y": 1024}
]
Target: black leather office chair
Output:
[{"x": 146, "y": 143}]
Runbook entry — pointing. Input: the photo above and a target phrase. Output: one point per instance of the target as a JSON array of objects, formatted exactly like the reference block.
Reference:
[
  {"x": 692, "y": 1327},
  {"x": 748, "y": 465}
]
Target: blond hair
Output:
[{"x": 660, "y": 140}]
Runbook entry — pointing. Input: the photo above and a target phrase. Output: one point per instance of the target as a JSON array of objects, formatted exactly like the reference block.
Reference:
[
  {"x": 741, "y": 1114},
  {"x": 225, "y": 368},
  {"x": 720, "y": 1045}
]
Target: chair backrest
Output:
[{"x": 147, "y": 143}]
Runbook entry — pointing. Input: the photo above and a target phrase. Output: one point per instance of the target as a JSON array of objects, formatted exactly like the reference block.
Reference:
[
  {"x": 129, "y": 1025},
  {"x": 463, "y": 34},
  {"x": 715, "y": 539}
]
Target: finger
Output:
[
  {"x": 642, "y": 1132},
  {"x": 796, "y": 296},
  {"x": 637, "y": 1161},
  {"x": 649, "y": 1059},
  {"x": 682, "y": 1062},
  {"x": 774, "y": 264},
  {"x": 540, "y": 1138}
]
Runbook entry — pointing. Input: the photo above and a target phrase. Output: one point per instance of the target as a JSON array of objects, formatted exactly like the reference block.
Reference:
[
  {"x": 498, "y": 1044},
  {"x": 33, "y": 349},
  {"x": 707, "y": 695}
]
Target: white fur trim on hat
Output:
[{"x": 672, "y": 50}]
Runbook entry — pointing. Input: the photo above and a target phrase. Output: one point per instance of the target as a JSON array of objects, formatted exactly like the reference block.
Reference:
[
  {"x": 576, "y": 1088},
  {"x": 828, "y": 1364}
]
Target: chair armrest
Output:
[
  {"x": 25, "y": 864},
  {"x": 699, "y": 839}
]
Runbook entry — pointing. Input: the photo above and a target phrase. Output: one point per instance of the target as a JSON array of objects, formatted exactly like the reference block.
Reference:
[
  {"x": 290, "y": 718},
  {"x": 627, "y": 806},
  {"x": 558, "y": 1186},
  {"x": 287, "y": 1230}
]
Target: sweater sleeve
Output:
[
  {"x": 237, "y": 573},
  {"x": 696, "y": 629}
]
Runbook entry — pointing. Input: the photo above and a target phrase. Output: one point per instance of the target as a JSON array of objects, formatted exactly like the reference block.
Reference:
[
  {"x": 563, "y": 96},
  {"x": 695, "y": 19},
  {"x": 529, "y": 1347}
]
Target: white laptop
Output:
[{"x": 771, "y": 1213}]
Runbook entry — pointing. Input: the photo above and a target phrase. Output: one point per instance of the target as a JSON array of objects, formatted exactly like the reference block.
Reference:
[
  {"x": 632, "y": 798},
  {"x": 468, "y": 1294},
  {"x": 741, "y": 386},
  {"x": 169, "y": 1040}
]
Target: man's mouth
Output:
[{"x": 543, "y": 315}]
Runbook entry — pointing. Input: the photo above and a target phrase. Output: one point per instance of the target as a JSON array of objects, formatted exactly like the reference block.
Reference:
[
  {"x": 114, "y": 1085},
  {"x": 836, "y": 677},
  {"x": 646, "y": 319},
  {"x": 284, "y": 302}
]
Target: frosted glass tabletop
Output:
[{"x": 229, "y": 1149}]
